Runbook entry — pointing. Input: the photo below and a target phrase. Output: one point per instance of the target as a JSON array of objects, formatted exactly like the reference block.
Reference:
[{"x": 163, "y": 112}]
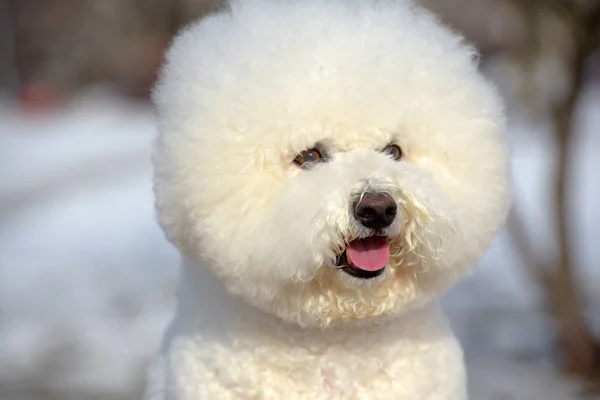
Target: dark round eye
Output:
[
  {"x": 393, "y": 151},
  {"x": 308, "y": 156}
]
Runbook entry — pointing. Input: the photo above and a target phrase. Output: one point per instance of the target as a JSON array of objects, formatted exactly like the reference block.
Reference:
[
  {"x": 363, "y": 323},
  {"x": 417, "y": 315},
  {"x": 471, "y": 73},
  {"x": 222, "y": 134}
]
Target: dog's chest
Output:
[{"x": 257, "y": 365}]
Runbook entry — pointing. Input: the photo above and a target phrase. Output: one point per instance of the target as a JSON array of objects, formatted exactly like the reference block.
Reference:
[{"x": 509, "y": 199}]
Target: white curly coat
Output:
[{"x": 264, "y": 313}]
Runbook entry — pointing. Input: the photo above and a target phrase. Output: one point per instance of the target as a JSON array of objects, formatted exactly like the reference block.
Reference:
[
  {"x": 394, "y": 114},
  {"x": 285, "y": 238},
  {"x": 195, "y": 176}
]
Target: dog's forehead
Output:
[{"x": 342, "y": 138}]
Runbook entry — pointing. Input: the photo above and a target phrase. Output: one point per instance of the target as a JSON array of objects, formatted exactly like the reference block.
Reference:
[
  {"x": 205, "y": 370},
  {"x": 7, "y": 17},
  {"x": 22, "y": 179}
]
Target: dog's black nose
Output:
[{"x": 376, "y": 210}]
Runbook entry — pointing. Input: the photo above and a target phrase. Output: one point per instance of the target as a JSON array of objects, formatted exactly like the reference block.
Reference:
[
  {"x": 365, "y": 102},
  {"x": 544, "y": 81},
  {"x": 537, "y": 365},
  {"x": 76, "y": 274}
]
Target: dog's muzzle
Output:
[{"x": 367, "y": 257}]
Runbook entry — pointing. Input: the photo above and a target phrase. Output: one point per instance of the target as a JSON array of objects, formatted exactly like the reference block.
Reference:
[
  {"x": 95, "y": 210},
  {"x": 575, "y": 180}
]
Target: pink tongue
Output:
[{"x": 369, "y": 254}]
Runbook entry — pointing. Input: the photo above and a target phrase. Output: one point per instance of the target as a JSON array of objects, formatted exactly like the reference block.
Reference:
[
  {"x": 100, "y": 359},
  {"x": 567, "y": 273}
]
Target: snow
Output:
[{"x": 87, "y": 278}]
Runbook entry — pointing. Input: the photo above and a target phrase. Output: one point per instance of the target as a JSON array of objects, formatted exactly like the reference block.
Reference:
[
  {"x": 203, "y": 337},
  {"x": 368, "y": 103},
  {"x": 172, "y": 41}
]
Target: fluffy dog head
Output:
[{"x": 330, "y": 160}]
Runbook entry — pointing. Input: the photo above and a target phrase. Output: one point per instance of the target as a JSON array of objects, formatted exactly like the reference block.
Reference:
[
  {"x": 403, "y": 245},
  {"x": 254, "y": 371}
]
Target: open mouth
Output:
[{"x": 365, "y": 258}]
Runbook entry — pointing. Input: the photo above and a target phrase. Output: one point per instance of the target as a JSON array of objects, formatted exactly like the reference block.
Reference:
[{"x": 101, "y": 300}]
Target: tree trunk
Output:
[{"x": 578, "y": 346}]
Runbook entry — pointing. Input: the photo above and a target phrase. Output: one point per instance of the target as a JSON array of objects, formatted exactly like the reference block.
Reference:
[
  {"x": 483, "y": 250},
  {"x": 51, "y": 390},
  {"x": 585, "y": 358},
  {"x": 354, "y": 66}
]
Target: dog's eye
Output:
[
  {"x": 393, "y": 151},
  {"x": 308, "y": 156}
]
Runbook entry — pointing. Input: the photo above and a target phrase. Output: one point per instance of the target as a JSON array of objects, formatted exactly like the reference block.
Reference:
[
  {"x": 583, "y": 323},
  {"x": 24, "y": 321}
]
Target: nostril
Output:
[
  {"x": 391, "y": 210},
  {"x": 366, "y": 212}
]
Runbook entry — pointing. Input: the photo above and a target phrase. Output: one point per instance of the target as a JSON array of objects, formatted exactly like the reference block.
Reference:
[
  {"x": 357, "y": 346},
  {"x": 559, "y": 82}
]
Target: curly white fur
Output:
[{"x": 263, "y": 312}]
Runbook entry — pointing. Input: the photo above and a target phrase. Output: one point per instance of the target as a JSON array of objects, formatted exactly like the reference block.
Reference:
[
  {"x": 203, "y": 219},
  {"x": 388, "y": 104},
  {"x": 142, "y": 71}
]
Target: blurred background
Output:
[{"x": 87, "y": 279}]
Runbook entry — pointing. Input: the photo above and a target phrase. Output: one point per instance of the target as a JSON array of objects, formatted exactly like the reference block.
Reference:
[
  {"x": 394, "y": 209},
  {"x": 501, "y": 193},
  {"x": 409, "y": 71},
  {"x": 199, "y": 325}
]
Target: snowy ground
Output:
[{"x": 86, "y": 277}]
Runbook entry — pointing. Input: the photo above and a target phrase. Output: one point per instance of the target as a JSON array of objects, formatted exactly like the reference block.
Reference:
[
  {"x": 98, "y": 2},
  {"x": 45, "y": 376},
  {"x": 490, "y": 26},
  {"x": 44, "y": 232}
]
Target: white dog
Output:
[{"x": 327, "y": 168}]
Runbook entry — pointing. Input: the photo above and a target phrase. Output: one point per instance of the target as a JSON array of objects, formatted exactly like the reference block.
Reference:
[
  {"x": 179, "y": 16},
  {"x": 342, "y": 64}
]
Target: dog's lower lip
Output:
[{"x": 362, "y": 274}]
